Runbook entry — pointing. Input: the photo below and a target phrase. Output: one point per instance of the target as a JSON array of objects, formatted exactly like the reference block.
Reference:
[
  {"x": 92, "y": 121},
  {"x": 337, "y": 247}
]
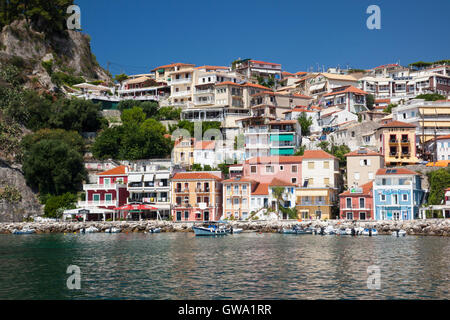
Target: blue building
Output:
[{"x": 397, "y": 194}]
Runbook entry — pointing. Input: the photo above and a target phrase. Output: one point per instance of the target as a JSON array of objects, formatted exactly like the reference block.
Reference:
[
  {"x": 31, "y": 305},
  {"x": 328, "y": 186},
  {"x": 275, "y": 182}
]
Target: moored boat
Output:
[
  {"x": 23, "y": 231},
  {"x": 370, "y": 232},
  {"x": 154, "y": 230},
  {"x": 399, "y": 233},
  {"x": 113, "y": 230},
  {"x": 211, "y": 230}
]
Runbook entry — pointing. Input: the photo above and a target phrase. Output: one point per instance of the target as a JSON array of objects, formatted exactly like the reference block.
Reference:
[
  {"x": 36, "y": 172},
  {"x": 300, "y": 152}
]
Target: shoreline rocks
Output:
[{"x": 429, "y": 227}]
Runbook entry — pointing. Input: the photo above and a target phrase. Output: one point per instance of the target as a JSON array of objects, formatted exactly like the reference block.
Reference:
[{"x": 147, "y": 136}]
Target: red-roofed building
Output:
[
  {"x": 197, "y": 196},
  {"x": 357, "y": 203},
  {"x": 109, "y": 192},
  {"x": 397, "y": 142},
  {"x": 236, "y": 198},
  {"x": 265, "y": 169},
  {"x": 362, "y": 165},
  {"x": 256, "y": 68},
  {"x": 347, "y": 98}
]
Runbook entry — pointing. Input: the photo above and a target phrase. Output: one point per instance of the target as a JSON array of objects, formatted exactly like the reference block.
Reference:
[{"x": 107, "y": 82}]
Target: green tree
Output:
[
  {"x": 128, "y": 104},
  {"x": 305, "y": 124},
  {"x": 168, "y": 113},
  {"x": 277, "y": 193},
  {"x": 370, "y": 100},
  {"x": 120, "y": 77},
  {"x": 430, "y": 96},
  {"x": 71, "y": 138},
  {"x": 55, "y": 205},
  {"x": 107, "y": 144},
  {"x": 389, "y": 108},
  {"x": 133, "y": 116},
  {"x": 439, "y": 180},
  {"x": 300, "y": 151},
  {"x": 53, "y": 167},
  {"x": 150, "y": 108}
]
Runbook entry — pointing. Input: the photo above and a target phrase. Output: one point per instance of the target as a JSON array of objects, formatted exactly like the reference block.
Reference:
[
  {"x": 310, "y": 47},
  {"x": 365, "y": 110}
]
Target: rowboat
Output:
[
  {"x": 296, "y": 231},
  {"x": 234, "y": 230},
  {"x": 370, "y": 232},
  {"x": 154, "y": 230},
  {"x": 113, "y": 230},
  {"x": 399, "y": 233},
  {"x": 23, "y": 231},
  {"x": 91, "y": 229}
]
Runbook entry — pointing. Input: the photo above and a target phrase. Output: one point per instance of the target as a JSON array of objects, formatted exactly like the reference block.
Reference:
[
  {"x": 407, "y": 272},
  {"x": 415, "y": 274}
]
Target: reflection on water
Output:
[{"x": 245, "y": 266}]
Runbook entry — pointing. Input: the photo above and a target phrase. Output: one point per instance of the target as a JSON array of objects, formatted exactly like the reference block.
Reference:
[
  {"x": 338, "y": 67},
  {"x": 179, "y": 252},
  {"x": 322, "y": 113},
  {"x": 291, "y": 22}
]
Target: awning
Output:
[
  {"x": 160, "y": 176},
  {"x": 135, "y": 178},
  {"x": 148, "y": 177},
  {"x": 317, "y": 86},
  {"x": 383, "y": 83},
  {"x": 422, "y": 79}
]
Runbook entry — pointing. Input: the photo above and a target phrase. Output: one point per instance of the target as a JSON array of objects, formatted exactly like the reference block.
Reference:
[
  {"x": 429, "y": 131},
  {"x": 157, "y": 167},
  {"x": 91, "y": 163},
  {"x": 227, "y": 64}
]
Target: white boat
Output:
[
  {"x": 399, "y": 233},
  {"x": 234, "y": 230},
  {"x": 113, "y": 230},
  {"x": 370, "y": 232},
  {"x": 329, "y": 230},
  {"x": 359, "y": 231},
  {"x": 154, "y": 230},
  {"x": 344, "y": 232},
  {"x": 211, "y": 230},
  {"x": 91, "y": 229},
  {"x": 23, "y": 231}
]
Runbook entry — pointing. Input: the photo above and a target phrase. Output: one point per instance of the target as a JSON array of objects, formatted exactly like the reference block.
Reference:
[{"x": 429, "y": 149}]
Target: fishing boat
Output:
[
  {"x": 23, "y": 231},
  {"x": 399, "y": 233},
  {"x": 370, "y": 232},
  {"x": 234, "y": 230},
  {"x": 211, "y": 230},
  {"x": 154, "y": 230},
  {"x": 91, "y": 229},
  {"x": 344, "y": 232},
  {"x": 113, "y": 230},
  {"x": 296, "y": 230}
]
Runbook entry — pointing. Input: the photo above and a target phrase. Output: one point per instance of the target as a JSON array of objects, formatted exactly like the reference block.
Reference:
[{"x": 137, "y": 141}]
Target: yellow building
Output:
[
  {"x": 315, "y": 203},
  {"x": 183, "y": 152},
  {"x": 397, "y": 142},
  {"x": 197, "y": 196}
]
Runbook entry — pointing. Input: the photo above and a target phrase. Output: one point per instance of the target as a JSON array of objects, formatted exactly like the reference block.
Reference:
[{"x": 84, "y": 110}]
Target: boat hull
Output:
[{"x": 201, "y": 231}]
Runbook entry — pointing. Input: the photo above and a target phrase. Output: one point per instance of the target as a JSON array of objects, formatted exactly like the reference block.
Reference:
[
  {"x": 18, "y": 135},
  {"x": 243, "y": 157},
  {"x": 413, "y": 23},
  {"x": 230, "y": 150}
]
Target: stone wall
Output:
[{"x": 437, "y": 227}]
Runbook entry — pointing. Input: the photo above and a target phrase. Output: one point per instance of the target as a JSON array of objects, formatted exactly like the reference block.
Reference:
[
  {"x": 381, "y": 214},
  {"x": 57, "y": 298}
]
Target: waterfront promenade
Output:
[{"x": 433, "y": 227}]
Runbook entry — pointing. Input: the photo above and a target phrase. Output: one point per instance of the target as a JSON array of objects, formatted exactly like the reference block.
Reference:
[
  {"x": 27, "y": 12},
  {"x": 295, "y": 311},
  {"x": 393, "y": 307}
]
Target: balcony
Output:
[
  {"x": 204, "y": 91},
  {"x": 181, "y": 93},
  {"x": 405, "y": 141},
  {"x": 202, "y": 190},
  {"x": 204, "y": 102},
  {"x": 99, "y": 203},
  {"x": 393, "y": 141},
  {"x": 111, "y": 186},
  {"x": 179, "y": 81},
  {"x": 184, "y": 190}
]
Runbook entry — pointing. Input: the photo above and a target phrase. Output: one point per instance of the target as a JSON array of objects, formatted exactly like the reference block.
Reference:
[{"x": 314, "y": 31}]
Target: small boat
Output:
[
  {"x": 154, "y": 230},
  {"x": 344, "y": 232},
  {"x": 23, "y": 231},
  {"x": 211, "y": 230},
  {"x": 370, "y": 232},
  {"x": 91, "y": 229},
  {"x": 234, "y": 230},
  {"x": 329, "y": 230},
  {"x": 113, "y": 230},
  {"x": 296, "y": 230},
  {"x": 399, "y": 233},
  {"x": 359, "y": 231}
]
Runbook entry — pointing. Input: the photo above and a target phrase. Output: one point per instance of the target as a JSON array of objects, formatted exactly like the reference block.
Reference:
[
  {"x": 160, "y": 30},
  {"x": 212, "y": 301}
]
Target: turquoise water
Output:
[{"x": 244, "y": 266}]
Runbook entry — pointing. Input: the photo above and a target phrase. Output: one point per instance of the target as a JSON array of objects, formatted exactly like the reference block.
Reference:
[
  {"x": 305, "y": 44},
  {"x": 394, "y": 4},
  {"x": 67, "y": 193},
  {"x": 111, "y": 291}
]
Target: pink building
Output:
[
  {"x": 109, "y": 192},
  {"x": 264, "y": 169},
  {"x": 357, "y": 203}
]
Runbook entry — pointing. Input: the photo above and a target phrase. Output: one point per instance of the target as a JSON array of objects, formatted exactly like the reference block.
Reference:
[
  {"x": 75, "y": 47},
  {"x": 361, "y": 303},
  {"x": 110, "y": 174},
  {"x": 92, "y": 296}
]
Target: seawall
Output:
[{"x": 434, "y": 227}]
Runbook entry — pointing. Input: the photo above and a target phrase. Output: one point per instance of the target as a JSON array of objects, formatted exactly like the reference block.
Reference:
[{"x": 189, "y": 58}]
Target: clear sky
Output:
[{"x": 138, "y": 35}]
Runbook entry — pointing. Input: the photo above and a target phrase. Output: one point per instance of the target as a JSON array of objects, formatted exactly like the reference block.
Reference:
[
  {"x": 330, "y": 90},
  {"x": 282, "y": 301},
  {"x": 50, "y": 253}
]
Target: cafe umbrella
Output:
[{"x": 137, "y": 207}]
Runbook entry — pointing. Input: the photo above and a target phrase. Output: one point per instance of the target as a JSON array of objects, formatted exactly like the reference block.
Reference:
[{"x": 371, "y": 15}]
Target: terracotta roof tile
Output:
[
  {"x": 368, "y": 153},
  {"x": 261, "y": 189},
  {"x": 397, "y": 124},
  {"x": 317, "y": 154},
  {"x": 348, "y": 89},
  {"x": 120, "y": 170},
  {"x": 205, "y": 145},
  {"x": 396, "y": 171},
  {"x": 178, "y": 64},
  {"x": 280, "y": 183},
  {"x": 197, "y": 175},
  {"x": 274, "y": 159},
  {"x": 366, "y": 190}
]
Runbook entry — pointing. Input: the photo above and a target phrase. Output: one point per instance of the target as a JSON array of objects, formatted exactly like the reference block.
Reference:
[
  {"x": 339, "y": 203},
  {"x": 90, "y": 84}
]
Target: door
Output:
[
  {"x": 396, "y": 215},
  {"x": 206, "y": 215},
  {"x": 178, "y": 215},
  {"x": 349, "y": 215}
]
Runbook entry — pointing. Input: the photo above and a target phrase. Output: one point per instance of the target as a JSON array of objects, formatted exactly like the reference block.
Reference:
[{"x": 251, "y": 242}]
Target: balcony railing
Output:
[
  {"x": 99, "y": 203},
  {"x": 180, "y": 81},
  {"x": 183, "y": 190},
  {"x": 102, "y": 186},
  {"x": 181, "y": 93}
]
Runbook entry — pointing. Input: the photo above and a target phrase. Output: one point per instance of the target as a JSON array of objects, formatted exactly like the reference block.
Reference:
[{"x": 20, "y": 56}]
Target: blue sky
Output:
[{"x": 138, "y": 35}]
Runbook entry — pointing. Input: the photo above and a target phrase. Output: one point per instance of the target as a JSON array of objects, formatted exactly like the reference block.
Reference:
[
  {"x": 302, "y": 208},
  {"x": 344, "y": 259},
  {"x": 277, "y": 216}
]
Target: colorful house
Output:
[
  {"x": 110, "y": 191},
  {"x": 397, "y": 142},
  {"x": 264, "y": 169},
  {"x": 357, "y": 203},
  {"x": 397, "y": 194},
  {"x": 236, "y": 198},
  {"x": 362, "y": 164},
  {"x": 197, "y": 196}
]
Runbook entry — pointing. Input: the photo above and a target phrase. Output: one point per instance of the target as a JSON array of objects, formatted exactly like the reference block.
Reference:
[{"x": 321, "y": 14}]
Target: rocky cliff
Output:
[{"x": 44, "y": 55}]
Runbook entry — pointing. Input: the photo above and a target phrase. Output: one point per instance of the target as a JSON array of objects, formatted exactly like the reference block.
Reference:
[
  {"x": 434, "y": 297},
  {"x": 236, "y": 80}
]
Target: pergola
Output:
[{"x": 444, "y": 208}]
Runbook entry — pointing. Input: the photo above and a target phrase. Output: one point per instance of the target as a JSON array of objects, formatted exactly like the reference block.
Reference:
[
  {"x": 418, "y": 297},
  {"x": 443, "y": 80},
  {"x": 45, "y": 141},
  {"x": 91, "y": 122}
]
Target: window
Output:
[
  {"x": 253, "y": 169},
  {"x": 294, "y": 180},
  {"x": 235, "y": 202},
  {"x": 370, "y": 175},
  {"x": 269, "y": 169},
  {"x": 244, "y": 189},
  {"x": 326, "y": 165},
  {"x": 281, "y": 168},
  {"x": 356, "y": 176},
  {"x": 362, "y": 202},
  {"x": 348, "y": 202},
  {"x": 96, "y": 197},
  {"x": 362, "y": 216},
  {"x": 383, "y": 197},
  {"x": 244, "y": 202},
  {"x": 405, "y": 197},
  {"x": 294, "y": 169},
  {"x": 186, "y": 215},
  {"x": 310, "y": 165},
  {"x": 349, "y": 215},
  {"x": 395, "y": 199},
  {"x": 228, "y": 189},
  {"x": 108, "y": 197},
  {"x": 228, "y": 202},
  {"x": 310, "y": 182},
  {"x": 178, "y": 215},
  {"x": 326, "y": 181}
]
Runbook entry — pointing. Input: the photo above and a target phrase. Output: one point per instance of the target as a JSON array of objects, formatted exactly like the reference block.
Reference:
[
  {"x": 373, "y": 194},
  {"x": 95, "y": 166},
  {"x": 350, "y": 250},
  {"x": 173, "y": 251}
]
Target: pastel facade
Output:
[
  {"x": 347, "y": 98},
  {"x": 197, "y": 196},
  {"x": 265, "y": 169},
  {"x": 183, "y": 152},
  {"x": 362, "y": 165},
  {"x": 109, "y": 192},
  {"x": 397, "y": 194},
  {"x": 397, "y": 142},
  {"x": 357, "y": 203},
  {"x": 237, "y": 198}
]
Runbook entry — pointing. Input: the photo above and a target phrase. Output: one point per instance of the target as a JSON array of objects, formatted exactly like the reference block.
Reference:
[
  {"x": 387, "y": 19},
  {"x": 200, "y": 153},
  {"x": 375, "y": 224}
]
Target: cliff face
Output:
[
  {"x": 17, "y": 200},
  {"x": 69, "y": 53}
]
